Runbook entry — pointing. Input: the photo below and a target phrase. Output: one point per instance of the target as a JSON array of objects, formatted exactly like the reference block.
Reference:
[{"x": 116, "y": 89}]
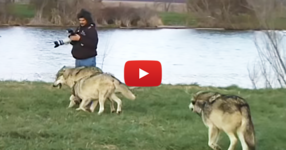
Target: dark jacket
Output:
[{"x": 86, "y": 47}]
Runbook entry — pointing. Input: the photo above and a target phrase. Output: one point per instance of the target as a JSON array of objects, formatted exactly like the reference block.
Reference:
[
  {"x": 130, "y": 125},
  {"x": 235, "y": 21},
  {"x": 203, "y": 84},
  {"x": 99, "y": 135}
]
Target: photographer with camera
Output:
[{"x": 84, "y": 40}]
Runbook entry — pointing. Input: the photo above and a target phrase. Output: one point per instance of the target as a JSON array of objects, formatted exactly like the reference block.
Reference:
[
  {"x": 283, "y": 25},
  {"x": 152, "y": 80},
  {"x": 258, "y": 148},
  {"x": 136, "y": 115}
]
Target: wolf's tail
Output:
[
  {"x": 248, "y": 133},
  {"x": 123, "y": 90}
]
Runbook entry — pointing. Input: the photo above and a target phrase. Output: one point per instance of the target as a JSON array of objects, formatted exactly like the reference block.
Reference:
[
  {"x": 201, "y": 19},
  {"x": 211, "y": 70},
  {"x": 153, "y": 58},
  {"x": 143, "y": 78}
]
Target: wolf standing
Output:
[
  {"x": 85, "y": 41},
  {"x": 228, "y": 113}
]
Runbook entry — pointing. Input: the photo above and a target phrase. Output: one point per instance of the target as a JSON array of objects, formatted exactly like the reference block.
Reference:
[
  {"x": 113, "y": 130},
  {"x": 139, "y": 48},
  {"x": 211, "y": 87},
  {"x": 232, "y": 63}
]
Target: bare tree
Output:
[
  {"x": 109, "y": 46},
  {"x": 220, "y": 13},
  {"x": 165, "y": 3},
  {"x": 4, "y": 11},
  {"x": 269, "y": 42},
  {"x": 253, "y": 74},
  {"x": 62, "y": 12}
]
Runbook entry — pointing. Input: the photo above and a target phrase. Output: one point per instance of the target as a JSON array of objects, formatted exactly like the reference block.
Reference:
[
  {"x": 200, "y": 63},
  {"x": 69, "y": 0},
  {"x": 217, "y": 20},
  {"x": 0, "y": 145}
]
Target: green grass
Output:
[
  {"x": 22, "y": 10},
  {"x": 172, "y": 18},
  {"x": 34, "y": 116}
]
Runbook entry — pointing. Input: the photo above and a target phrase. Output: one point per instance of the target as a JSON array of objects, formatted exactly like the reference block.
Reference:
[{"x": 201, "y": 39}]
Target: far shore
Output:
[
  {"x": 159, "y": 27},
  {"x": 24, "y": 16},
  {"x": 115, "y": 27}
]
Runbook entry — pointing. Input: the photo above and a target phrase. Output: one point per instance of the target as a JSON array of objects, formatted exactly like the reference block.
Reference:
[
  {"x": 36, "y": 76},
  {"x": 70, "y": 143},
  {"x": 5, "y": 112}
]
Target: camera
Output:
[{"x": 65, "y": 40}]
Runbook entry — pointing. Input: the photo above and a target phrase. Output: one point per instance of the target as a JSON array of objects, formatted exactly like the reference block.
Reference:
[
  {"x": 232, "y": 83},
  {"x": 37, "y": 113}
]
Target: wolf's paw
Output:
[
  {"x": 71, "y": 105},
  {"x": 216, "y": 147},
  {"x": 78, "y": 109},
  {"x": 118, "y": 112},
  {"x": 99, "y": 113},
  {"x": 113, "y": 111}
]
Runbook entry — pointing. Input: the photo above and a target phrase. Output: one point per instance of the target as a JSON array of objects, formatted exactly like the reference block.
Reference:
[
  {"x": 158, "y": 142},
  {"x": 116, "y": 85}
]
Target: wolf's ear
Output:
[
  {"x": 198, "y": 93},
  {"x": 63, "y": 68},
  {"x": 214, "y": 97},
  {"x": 193, "y": 97}
]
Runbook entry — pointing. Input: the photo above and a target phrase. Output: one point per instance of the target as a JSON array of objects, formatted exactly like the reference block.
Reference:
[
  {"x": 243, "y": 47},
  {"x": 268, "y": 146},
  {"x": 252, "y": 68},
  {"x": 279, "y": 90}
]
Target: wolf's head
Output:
[
  {"x": 60, "y": 77},
  {"x": 201, "y": 98}
]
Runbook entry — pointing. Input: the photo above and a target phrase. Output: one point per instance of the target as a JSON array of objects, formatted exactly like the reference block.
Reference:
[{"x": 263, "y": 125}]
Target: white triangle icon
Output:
[{"x": 142, "y": 73}]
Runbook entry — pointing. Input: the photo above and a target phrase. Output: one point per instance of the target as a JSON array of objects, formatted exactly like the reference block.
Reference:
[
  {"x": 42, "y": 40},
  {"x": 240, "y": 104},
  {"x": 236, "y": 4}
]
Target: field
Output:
[
  {"x": 34, "y": 116},
  {"x": 22, "y": 10},
  {"x": 175, "y": 16}
]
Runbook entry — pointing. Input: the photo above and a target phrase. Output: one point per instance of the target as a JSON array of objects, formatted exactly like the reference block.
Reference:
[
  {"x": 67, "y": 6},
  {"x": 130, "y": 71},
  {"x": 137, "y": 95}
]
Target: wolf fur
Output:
[
  {"x": 228, "y": 113},
  {"x": 69, "y": 75},
  {"x": 98, "y": 88}
]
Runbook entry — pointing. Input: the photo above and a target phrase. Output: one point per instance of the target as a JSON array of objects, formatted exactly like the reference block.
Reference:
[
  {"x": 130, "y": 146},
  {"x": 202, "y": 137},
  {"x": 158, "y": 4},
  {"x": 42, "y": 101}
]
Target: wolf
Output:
[
  {"x": 227, "y": 113},
  {"x": 69, "y": 75},
  {"x": 98, "y": 88}
]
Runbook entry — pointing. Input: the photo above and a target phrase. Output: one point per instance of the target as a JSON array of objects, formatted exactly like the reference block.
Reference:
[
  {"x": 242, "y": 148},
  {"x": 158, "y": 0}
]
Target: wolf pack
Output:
[{"x": 219, "y": 112}]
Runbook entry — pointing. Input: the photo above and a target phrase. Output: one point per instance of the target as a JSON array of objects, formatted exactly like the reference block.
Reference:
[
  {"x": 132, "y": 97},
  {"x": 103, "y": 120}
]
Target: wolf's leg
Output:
[
  {"x": 93, "y": 105},
  {"x": 242, "y": 140},
  {"x": 101, "y": 101},
  {"x": 213, "y": 137},
  {"x": 82, "y": 105},
  {"x": 118, "y": 101},
  {"x": 112, "y": 109},
  {"x": 217, "y": 138},
  {"x": 72, "y": 103},
  {"x": 233, "y": 140}
]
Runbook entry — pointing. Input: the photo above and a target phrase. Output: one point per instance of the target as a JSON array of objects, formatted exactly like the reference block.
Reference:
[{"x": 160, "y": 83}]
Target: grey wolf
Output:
[
  {"x": 228, "y": 113},
  {"x": 98, "y": 88},
  {"x": 84, "y": 42},
  {"x": 69, "y": 75}
]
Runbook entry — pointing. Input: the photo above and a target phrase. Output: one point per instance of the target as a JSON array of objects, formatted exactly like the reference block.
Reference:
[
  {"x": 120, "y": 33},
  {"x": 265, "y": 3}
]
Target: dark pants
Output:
[{"x": 89, "y": 62}]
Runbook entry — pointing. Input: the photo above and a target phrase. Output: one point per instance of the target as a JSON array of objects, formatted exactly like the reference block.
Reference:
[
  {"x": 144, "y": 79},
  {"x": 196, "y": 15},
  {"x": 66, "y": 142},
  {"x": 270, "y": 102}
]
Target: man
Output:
[{"x": 85, "y": 41}]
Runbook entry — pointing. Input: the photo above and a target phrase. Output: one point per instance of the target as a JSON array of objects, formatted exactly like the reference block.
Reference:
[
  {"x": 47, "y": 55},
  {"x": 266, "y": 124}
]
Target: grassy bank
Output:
[
  {"x": 22, "y": 14},
  {"x": 21, "y": 10},
  {"x": 26, "y": 12},
  {"x": 35, "y": 116},
  {"x": 172, "y": 18}
]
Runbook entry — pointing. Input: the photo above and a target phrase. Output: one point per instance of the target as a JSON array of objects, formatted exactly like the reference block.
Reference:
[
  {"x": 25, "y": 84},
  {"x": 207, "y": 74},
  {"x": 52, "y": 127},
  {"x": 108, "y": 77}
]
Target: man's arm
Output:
[
  {"x": 74, "y": 42},
  {"x": 90, "y": 39}
]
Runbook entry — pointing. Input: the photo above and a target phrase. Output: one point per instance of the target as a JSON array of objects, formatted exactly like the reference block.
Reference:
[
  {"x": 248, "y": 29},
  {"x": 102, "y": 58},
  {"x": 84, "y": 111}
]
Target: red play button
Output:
[{"x": 143, "y": 73}]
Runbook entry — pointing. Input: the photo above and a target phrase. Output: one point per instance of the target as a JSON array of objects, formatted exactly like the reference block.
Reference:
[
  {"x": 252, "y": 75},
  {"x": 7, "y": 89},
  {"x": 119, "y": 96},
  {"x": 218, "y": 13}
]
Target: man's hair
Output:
[{"x": 86, "y": 15}]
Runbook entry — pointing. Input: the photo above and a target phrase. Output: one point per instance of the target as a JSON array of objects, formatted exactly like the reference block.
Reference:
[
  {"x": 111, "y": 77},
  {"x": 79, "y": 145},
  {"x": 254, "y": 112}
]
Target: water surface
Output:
[{"x": 217, "y": 58}]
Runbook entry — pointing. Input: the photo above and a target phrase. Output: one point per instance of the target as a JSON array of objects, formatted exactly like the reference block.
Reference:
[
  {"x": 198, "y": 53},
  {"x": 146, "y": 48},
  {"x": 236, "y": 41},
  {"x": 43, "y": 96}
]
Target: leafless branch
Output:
[
  {"x": 269, "y": 43},
  {"x": 108, "y": 49},
  {"x": 253, "y": 74}
]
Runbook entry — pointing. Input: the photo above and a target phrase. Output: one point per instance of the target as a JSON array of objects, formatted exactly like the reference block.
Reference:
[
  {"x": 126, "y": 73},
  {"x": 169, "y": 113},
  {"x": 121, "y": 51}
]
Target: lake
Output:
[{"x": 208, "y": 58}]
